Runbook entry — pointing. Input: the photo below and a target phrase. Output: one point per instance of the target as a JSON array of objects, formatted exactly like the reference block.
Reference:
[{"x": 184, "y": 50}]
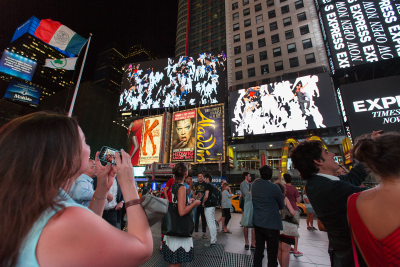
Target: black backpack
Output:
[{"x": 215, "y": 197}]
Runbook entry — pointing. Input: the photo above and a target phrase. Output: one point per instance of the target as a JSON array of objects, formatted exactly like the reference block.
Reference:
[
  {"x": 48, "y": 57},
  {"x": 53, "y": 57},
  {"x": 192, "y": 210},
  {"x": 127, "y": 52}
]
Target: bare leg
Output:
[
  {"x": 285, "y": 255},
  {"x": 311, "y": 219},
  {"x": 296, "y": 243},
  {"x": 223, "y": 224},
  {"x": 280, "y": 253},
  {"x": 246, "y": 235},
  {"x": 175, "y": 265},
  {"x": 308, "y": 219},
  {"x": 135, "y": 145}
]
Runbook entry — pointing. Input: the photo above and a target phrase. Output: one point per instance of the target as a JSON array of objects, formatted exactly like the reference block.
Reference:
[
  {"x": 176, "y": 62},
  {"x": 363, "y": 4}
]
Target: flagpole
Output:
[{"x": 71, "y": 108}]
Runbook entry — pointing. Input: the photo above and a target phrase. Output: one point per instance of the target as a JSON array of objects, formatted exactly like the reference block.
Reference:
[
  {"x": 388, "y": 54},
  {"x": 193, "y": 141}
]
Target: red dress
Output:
[{"x": 383, "y": 252}]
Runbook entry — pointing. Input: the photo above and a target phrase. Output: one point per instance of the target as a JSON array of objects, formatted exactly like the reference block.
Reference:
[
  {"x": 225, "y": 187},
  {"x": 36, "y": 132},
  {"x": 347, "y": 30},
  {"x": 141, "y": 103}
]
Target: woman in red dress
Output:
[{"x": 373, "y": 214}]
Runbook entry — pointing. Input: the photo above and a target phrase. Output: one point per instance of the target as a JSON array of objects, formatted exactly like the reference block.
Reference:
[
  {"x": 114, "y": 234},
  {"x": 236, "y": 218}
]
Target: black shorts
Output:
[{"x": 223, "y": 213}]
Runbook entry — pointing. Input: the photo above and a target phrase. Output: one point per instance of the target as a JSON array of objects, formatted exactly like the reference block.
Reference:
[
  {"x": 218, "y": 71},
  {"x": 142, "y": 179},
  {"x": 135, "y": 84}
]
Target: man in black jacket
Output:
[{"x": 328, "y": 195}]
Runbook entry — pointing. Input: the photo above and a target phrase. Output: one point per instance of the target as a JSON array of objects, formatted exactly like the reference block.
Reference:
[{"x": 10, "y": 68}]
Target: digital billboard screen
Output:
[
  {"x": 359, "y": 32},
  {"x": 173, "y": 82},
  {"x": 17, "y": 66},
  {"x": 304, "y": 103},
  {"x": 23, "y": 92},
  {"x": 372, "y": 105},
  {"x": 139, "y": 171}
]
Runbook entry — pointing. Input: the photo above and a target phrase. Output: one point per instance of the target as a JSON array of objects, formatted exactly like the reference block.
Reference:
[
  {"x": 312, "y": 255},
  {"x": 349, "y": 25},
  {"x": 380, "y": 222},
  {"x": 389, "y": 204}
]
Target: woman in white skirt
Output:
[{"x": 178, "y": 250}]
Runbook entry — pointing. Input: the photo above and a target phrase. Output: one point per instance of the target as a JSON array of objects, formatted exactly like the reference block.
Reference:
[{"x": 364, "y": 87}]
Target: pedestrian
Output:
[
  {"x": 226, "y": 206},
  {"x": 373, "y": 214},
  {"x": 245, "y": 189},
  {"x": 223, "y": 181},
  {"x": 209, "y": 209},
  {"x": 178, "y": 250},
  {"x": 310, "y": 212},
  {"x": 189, "y": 185},
  {"x": 199, "y": 188},
  {"x": 40, "y": 222}
]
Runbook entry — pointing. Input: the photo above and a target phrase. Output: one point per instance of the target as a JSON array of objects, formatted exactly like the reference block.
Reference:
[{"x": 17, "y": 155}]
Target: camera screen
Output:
[{"x": 108, "y": 155}]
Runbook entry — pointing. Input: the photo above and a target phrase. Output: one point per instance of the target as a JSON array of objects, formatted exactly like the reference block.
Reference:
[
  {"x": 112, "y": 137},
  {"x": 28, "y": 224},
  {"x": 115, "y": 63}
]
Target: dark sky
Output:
[{"x": 151, "y": 22}]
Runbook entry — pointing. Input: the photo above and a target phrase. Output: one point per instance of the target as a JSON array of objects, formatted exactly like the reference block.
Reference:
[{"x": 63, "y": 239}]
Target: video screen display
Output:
[
  {"x": 139, "y": 171},
  {"x": 23, "y": 92},
  {"x": 17, "y": 66},
  {"x": 173, "y": 82},
  {"x": 358, "y": 32},
  {"x": 300, "y": 104},
  {"x": 372, "y": 105}
]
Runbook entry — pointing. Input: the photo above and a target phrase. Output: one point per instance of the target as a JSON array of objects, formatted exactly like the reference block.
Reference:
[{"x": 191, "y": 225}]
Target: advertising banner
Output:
[
  {"x": 23, "y": 92},
  {"x": 134, "y": 140},
  {"x": 210, "y": 134},
  {"x": 230, "y": 156},
  {"x": 262, "y": 159},
  {"x": 166, "y": 138},
  {"x": 151, "y": 142},
  {"x": 183, "y": 137},
  {"x": 18, "y": 66},
  {"x": 372, "y": 105}
]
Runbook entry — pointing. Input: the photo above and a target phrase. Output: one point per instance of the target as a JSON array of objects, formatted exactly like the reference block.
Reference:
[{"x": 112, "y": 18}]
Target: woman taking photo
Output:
[
  {"x": 226, "y": 207},
  {"x": 42, "y": 155}
]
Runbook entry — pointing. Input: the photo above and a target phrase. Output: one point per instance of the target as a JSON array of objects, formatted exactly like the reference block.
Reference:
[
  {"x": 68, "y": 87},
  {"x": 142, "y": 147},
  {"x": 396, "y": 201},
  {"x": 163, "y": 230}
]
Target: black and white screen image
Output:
[
  {"x": 304, "y": 103},
  {"x": 173, "y": 82}
]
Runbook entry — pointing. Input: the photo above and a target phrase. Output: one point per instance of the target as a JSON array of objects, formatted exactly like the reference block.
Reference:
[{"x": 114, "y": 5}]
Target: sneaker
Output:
[
  {"x": 209, "y": 244},
  {"x": 205, "y": 236},
  {"x": 246, "y": 246},
  {"x": 195, "y": 235},
  {"x": 297, "y": 254},
  {"x": 291, "y": 250}
]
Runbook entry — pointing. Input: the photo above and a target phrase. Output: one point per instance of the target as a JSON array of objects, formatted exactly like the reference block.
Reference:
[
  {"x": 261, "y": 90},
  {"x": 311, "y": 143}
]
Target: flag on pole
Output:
[
  {"x": 62, "y": 63},
  {"x": 60, "y": 36}
]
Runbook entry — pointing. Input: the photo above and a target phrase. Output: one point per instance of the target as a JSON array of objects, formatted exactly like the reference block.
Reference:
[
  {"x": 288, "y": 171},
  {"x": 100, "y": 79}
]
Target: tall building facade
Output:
[
  {"x": 201, "y": 27},
  {"x": 273, "y": 40}
]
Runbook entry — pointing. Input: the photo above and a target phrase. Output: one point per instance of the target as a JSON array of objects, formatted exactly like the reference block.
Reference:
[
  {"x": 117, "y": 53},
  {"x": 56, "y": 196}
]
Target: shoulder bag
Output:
[{"x": 290, "y": 223}]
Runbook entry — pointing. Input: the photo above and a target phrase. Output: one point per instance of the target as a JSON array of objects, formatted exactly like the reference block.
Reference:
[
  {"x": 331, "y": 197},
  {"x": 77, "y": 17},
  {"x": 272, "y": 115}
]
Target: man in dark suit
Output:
[
  {"x": 267, "y": 201},
  {"x": 328, "y": 195}
]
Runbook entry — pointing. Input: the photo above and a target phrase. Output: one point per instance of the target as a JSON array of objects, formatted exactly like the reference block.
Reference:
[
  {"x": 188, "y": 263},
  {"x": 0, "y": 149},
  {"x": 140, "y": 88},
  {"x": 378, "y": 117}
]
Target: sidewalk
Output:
[{"x": 230, "y": 251}]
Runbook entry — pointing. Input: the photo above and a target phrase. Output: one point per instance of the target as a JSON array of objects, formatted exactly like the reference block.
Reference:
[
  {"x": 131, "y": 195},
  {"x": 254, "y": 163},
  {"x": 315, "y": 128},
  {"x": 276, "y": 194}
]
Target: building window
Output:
[
  {"x": 235, "y": 5},
  {"x": 261, "y": 43},
  {"x": 301, "y": 16},
  {"x": 304, "y": 30},
  {"x": 291, "y": 48},
  {"x": 237, "y": 50},
  {"x": 271, "y": 14},
  {"x": 246, "y": 12},
  {"x": 252, "y": 84},
  {"x": 236, "y": 27},
  {"x": 214, "y": 43},
  {"x": 250, "y": 59},
  {"x": 278, "y": 65},
  {"x": 235, "y": 16},
  {"x": 260, "y": 30},
  {"x": 247, "y": 22},
  {"x": 238, "y": 62},
  {"x": 236, "y": 38},
  {"x": 259, "y": 19},
  {"x": 299, "y": 4},
  {"x": 275, "y": 38},
  {"x": 246, "y": 2},
  {"x": 310, "y": 58},
  {"x": 289, "y": 34},
  {"x": 270, "y": 3},
  {"x": 283, "y": 1},
  {"x": 264, "y": 69},
  {"x": 287, "y": 21},
  {"x": 273, "y": 26},
  {"x": 248, "y": 34},
  {"x": 239, "y": 75},
  {"x": 251, "y": 72},
  {"x": 307, "y": 43},
  {"x": 277, "y": 52},
  {"x": 257, "y": 7},
  {"x": 263, "y": 55},
  {"x": 285, "y": 9},
  {"x": 294, "y": 62},
  {"x": 249, "y": 46}
]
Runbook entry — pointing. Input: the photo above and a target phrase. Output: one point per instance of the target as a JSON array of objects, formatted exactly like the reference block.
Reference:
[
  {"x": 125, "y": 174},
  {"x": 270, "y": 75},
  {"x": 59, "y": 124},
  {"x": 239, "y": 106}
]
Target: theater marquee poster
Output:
[
  {"x": 210, "y": 134},
  {"x": 183, "y": 137},
  {"x": 151, "y": 139}
]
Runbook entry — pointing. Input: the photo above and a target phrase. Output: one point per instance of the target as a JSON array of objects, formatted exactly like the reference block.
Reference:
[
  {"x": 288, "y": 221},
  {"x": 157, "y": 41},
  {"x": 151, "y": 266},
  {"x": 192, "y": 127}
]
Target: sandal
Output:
[{"x": 227, "y": 232}]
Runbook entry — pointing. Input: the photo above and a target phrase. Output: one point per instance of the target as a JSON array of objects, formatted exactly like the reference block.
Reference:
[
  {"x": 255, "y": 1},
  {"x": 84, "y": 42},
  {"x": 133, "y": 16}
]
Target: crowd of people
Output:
[{"x": 51, "y": 203}]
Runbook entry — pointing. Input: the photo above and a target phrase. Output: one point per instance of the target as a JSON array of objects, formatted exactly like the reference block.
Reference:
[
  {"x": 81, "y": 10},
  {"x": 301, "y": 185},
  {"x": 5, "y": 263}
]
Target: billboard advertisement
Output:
[
  {"x": 134, "y": 140},
  {"x": 183, "y": 137},
  {"x": 17, "y": 66},
  {"x": 151, "y": 142},
  {"x": 358, "y": 32},
  {"x": 210, "y": 134},
  {"x": 23, "y": 92},
  {"x": 166, "y": 138},
  {"x": 372, "y": 105},
  {"x": 173, "y": 82},
  {"x": 303, "y": 103}
]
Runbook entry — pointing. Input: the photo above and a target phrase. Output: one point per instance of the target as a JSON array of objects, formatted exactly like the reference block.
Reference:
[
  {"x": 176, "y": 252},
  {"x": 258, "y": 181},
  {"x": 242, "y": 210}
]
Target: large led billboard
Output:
[
  {"x": 17, "y": 66},
  {"x": 173, "y": 82},
  {"x": 304, "y": 103},
  {"x": 372, "y": 105},
  {"x": 23, "y": 92},
  {"x": 359, "y": 32}
]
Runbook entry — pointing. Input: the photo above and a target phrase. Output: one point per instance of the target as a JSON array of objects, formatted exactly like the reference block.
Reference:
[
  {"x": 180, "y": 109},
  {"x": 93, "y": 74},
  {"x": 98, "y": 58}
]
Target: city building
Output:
[
  {"x": 201, "y": 27},
  {"x": 139, "y": 53},
  {"x": 273, "y": 40}
]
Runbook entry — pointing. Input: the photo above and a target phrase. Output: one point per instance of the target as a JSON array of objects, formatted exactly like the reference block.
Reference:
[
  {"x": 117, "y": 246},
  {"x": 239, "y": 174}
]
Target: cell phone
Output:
[
  {"x": 107, "y": 155},
  {"x": 198, "y": 196}
]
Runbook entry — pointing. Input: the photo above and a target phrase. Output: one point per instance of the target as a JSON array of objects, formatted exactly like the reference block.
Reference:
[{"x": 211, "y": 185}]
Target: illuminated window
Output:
[
  {"x": 250, "y": 59},
  {"x": 273, "y": 26},
  {"x": 287, "y": 21},
  {"x": 294, "y": 62},
  {"x": 238, "y": 62},
  {"x": 248, "y": 34},
  {"x": 291, "y": 48},
  {"x": 278, "y": 65},
  {"x": 310, "y": 58},
  {"x": 307, "y": 43},
  {"x": 263, "y": 55},
  {"x": 251, "y": 72},
  {"x": 304, "y": 29},
  {"x": 277, "y": 52},
  {"x": 275, "y": 38},
  {"x": 264, "y": 69},
  {"x": 301, "y": 16}
]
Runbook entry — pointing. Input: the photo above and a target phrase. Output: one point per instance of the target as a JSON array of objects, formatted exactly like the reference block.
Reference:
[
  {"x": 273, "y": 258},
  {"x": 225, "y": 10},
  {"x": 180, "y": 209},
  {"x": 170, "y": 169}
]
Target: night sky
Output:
[{"x": 150, "y": 22}]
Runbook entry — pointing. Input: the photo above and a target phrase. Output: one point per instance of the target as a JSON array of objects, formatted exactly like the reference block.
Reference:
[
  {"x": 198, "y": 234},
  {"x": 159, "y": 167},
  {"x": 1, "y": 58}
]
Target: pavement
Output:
[{"x": 230, "y": 251}]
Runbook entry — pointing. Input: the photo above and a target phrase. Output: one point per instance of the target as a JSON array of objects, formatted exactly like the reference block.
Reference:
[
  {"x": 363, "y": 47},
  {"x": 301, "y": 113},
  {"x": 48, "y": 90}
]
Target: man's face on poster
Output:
[{"x": 184, "y": 130}]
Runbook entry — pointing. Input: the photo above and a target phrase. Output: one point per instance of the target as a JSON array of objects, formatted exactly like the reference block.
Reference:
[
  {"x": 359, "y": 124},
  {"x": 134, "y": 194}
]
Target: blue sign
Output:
[
  {"x": 154, "y": 186},
  {"x": 18, "y": 66},
  {"x": 23, "y": 92}
]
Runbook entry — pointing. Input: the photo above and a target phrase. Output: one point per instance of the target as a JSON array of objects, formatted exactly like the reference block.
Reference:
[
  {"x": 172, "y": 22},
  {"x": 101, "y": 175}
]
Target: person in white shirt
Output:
[{"x": 111, "y": 210}]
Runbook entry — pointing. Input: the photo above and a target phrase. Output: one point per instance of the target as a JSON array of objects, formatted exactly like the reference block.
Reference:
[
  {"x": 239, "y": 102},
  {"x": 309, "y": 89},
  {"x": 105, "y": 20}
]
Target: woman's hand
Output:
[
  {"x": 191, "y": 200},
  {"x": 196, "y": 203},
  {"x": 105, "y": 177},
  {"x": 124, "y": 171}
]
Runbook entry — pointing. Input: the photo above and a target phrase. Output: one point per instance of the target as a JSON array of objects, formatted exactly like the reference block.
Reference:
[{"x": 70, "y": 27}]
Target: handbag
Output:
[
  {"x": 288, "y": 217},
  {"x": 175, "y": 225},
  {"x": 289, "y": 229}
]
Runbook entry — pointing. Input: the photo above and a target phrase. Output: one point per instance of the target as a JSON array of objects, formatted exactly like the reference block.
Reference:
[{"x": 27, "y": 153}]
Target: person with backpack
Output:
[{"x": 210, "y": 201}]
